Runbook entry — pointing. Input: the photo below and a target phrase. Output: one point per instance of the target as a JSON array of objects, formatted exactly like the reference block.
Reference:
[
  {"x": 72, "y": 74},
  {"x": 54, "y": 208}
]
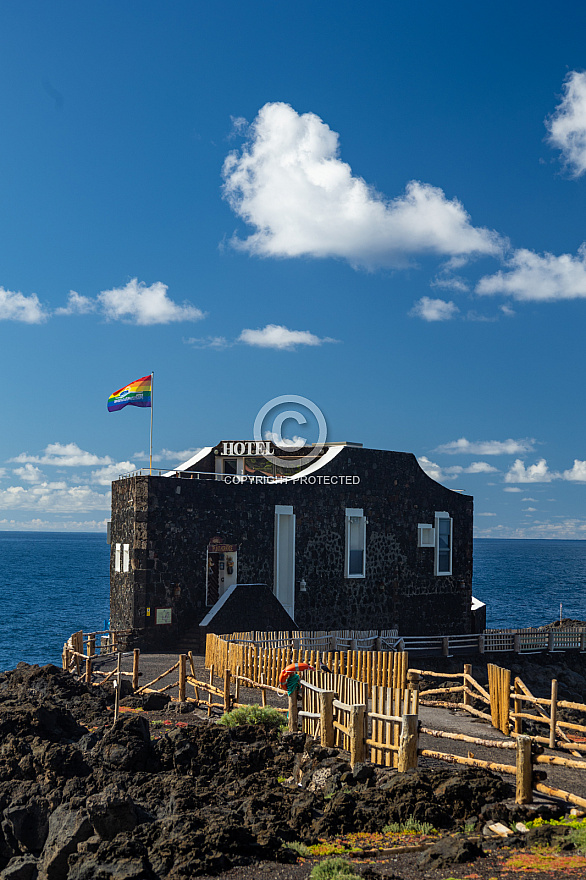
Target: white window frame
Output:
[
  {"x": 126, "y": 557},
  {"x": 439, "y": 517},
  {"x": 353, "y": 513},
  {"x": 286, "y": 590},
  {"x": 117, "y": 557},
  {"x": 425, "y": 535}
]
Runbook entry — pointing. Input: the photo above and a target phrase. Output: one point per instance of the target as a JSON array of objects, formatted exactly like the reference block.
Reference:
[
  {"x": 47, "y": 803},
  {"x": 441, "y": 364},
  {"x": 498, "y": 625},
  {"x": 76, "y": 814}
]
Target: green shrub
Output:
[
  {"x": 253, "y": 715},
  {"x": 299, "y": 848},
  {"x": 333, "y": 869},
  {"x": 409, "y": 824}
]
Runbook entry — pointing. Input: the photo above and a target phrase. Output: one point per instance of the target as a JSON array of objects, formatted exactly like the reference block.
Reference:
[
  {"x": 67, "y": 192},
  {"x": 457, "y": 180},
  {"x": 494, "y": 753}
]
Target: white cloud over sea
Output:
[
  {"x": 289, "y": 182},
  {"x": 567, "y": 124},
  {"x": 486, "y": 447}
]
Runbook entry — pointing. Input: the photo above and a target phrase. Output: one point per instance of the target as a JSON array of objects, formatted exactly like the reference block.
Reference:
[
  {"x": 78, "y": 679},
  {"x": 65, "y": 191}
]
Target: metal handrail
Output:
[{"x": 237, "y": 479}]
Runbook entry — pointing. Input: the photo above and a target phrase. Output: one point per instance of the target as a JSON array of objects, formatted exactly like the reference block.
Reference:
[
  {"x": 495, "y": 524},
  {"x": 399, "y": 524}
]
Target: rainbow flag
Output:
[{"x": 138, "y": 393}]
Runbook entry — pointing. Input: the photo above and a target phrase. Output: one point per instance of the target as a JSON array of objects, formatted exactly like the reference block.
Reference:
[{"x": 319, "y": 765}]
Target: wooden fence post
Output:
[
  {"x": 517, "y": 643},
  {"x": 550, "y": 641},
  {"x": 237, "y": 687},
  {"x": 118, "y": 680},
  {"x": 357, "y": 734},
  {"x": 91, "y": 644},
  {"x": 553, "y": 719},
  {"x": 524, "y": 775},
  {"x": 326, "y": 718},
  {"x": 517, "y": 705},
  {"x": 445, "y": 646},
  {"x": 408, "y": 744},
  {"x": 227, "y": 677},
  {"x": 182, "y": 674},
  {"x": 467, "y": 671},
  {"x": 135, "y": 660},
  {"x": 209, "y": 692},
  {"x": 293, "y": 712},
  {"x": 481, "y": 643}
]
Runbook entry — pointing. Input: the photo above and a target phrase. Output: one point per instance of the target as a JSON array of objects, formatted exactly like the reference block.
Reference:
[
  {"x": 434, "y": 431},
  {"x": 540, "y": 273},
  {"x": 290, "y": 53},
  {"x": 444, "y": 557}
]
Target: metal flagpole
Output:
[{"x": 152, "y": 401}]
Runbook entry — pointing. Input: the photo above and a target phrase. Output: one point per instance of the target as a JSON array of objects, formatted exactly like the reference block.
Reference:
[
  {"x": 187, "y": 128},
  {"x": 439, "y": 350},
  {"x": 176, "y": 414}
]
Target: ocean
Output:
[{"x": 53, "y": 584}]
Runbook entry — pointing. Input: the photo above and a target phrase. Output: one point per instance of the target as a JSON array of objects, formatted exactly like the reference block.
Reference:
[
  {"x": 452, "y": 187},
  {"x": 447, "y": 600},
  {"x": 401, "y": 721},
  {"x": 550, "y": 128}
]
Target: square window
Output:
[{"x": 425, "y": 535}]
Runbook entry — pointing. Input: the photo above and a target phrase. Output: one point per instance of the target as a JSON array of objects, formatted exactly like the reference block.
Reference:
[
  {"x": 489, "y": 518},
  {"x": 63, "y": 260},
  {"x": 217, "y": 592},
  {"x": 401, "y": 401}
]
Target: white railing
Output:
[{"x": 491, "y": 641}]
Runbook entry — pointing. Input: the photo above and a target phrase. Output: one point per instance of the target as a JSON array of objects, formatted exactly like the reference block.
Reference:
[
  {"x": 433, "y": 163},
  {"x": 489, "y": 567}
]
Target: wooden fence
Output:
[
  {"x": 264, "y": 664},
  {"x": 81, "y": 650}
]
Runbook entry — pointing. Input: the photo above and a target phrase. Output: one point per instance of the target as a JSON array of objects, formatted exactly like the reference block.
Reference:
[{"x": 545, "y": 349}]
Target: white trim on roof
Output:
[
  {"x": 328, "y": 456},
  {"x": 193, "y": 460}
]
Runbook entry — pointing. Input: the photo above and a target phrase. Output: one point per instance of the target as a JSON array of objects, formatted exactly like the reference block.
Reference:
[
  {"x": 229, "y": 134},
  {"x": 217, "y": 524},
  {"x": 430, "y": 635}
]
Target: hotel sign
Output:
[{"x": 248, "y": 447}]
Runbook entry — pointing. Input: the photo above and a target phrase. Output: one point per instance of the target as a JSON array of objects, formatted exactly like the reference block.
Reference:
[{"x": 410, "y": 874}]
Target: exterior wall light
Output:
[{"x": 302, "y": 586}]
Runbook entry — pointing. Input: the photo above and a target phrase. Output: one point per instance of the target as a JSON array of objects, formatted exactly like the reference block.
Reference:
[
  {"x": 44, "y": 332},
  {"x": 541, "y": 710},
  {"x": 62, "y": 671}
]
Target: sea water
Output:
[{"x": 53, "y": 584}]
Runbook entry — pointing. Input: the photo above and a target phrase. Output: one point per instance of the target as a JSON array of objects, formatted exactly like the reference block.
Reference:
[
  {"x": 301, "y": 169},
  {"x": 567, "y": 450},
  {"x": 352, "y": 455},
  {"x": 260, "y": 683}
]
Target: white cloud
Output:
[
  {"x": 512, "y": 489},
  {"x": 507, "y": 310},
  {"x": 485, "y": 514},
  {"x": 64, "y": 455},
  {"x": 15, "y": 306},
  {"x": 104, "y": 476},
  {"x": 451, "y": 282},
  {"x": 568, "y": 529},
  {"x": 279, "y": 337},
  {"x": 480, "y": 467},
  {"x": 138, "y": 304},
  {"x": 43, "y": 525},
  {"x": 577, "y": 473},
  {"x": 528, "y": 499},
  {"x": 77, "y": 305},
  {"x": 536, "y": 277},
  {"x": 535, "y": 473},
  {"x": 53, "y": 497},
  {"x": 567, "y": 125},
  {"x": 29, "y": 473},
  {"x": 294, "y": 442},
  {"x": 434, "y": 309},
  {"x": 219, "y": 343},
  {"x": 169, "y": 455},
  {"x": 289, "y": 182},
  {"x": 540, "y": 473},
  {"x": 487, "y": 447},
  {"x": 443, "y": 474},
  {"x": 529, "y": 509}
]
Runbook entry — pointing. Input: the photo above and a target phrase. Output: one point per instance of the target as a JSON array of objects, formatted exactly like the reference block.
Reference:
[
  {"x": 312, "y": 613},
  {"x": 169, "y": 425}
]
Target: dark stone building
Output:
[{"x": 356, "y": 539}]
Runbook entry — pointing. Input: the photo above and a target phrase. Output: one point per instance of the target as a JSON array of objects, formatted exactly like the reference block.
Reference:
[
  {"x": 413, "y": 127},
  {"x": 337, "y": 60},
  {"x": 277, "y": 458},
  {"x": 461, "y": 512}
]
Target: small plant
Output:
[
  {"x": 410, "y": 825},
  {"x": 578, "y": 838},
  {"x": 469, "y": 827},
  {"x": 333, "y": 869},
  {"x": 253, "y": 715},
  {"x": 303, "y": 851}
]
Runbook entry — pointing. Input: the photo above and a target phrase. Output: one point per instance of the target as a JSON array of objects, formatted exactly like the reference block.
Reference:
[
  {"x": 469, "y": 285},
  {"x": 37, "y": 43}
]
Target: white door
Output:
[{"x": 284, "y": 588}]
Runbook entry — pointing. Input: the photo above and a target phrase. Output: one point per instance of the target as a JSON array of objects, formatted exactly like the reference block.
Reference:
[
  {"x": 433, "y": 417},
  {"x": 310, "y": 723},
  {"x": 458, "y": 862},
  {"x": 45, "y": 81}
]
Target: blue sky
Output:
[{"x": 378, "y": 207}]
